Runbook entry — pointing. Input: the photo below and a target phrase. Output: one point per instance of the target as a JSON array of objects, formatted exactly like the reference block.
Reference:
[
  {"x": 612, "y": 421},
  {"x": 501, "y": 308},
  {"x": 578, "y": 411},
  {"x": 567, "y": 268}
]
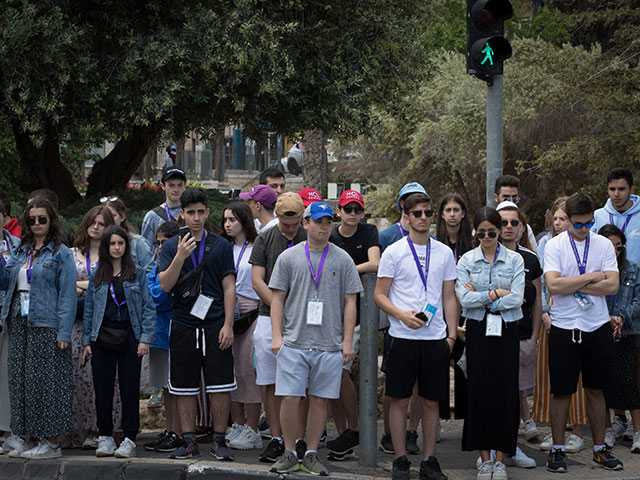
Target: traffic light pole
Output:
[{"x": 494, "y": 135}]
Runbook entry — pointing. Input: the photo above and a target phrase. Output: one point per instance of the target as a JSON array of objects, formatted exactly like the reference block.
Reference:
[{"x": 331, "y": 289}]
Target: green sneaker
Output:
[
  {"x": 286, "y": 463},
  {"x": 312, "y": 465}
]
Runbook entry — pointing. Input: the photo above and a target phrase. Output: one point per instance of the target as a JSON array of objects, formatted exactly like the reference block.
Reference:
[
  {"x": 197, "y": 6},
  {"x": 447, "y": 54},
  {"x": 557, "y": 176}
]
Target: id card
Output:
[
  {"x": 583, "y": 300},
  {"x": 429, "y": 312},
  {"x": 24, "y": 303},
  {"x": 201, "y": 306},
  {"x": 314, "y": 312},
  {"x": 494, "y": 325}
]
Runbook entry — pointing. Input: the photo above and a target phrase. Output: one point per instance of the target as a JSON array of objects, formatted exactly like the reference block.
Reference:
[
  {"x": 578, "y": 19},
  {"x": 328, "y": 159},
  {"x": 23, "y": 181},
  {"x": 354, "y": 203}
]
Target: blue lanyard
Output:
[
  {"x": 316, "y": 278},
  {"x": 244, "y": 247},
  {"x": 200, "y": 252},
  {"x": 29, "y": 265},
  {"x": 626, "y": 222},
  {"x": 582, "y": 267},
  {"x": 424, "y": 276},
  {"x": 399, "y": 224},
  {"x": 166, "y": 210},
  {"x": 8, "y": 243}
]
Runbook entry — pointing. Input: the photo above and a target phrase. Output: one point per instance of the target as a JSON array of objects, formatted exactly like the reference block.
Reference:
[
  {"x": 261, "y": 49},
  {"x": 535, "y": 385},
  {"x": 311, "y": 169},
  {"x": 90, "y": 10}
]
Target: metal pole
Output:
[
  {"x": 494, "y": 135},
  {"x": 368, "y": 372}
]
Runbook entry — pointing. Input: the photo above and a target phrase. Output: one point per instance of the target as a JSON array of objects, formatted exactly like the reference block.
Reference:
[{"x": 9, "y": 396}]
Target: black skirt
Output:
[
  {"x": 622, "y": 393},
  {"x": 493, "y": 406}
]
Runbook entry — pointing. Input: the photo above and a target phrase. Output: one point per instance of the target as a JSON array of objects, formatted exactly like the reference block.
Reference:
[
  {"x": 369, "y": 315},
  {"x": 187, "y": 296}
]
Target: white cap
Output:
[{"x": 506, "y": 204}]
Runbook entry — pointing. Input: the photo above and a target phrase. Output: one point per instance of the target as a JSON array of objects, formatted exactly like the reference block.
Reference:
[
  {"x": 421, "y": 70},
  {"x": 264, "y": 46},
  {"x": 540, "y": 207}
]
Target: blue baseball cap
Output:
[
  {"x": 408, "y": 189},
  {"x": 318, "y": 210}
]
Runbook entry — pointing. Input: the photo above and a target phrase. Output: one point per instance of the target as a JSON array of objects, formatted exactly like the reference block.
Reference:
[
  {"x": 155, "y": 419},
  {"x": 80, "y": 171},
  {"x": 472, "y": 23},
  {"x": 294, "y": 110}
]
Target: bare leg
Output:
[
  {"x": 289, "y": 421},
  {"x": 500, "y": 456},
  {"x": 237, "y": 413},
  {"x": 338, "y": 414},
  {"x": 220, "y": 403},
  {"x": 272, "y": 409},
  {"x": 253, "y": 415},
  {"x": 430, "y": 419},
  {"x": 635, "y": 419},
  {"x": 559, "y": 414},
  {"x": 317, "y": 420},
  {"x": 187, "y": 406},
  {"x": 524, "y": 408},
  {"x": 398, "y": 423},
  {"x": 415, "y": 409},
  {"x": 172, "y": 422},
  {"x": 596, "y": 409},
  {"x": 386, "y": 406},
  {"x": 349, "y": 400},
  {"x": 302, "y": 417},
  {"x": 485, "y": 455}
]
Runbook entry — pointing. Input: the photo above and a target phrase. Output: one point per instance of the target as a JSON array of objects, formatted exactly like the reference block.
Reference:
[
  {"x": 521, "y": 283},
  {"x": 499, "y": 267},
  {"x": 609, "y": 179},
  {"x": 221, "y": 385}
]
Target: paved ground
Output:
[{"x": 79, "y": 464}]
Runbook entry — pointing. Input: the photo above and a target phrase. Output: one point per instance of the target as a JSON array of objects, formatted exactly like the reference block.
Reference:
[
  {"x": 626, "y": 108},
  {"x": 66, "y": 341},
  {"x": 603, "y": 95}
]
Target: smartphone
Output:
[
  {"x": 183, "y": 231},
  {"x": 421, "y": 316}
]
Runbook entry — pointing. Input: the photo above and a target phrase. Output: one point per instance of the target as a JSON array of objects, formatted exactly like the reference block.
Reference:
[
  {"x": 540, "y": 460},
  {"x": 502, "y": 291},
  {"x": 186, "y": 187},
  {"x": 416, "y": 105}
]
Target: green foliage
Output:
[
  {"x": 547, "y": 23},
  {"x": 10, "y": 171}
]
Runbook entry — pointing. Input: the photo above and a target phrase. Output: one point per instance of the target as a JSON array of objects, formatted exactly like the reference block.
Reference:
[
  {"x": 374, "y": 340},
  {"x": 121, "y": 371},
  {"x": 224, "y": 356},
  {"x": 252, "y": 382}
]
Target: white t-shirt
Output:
[
  {"x": 407, "y": 291},
  {"x": 565, "y": 311},
  {"x": 244, "y": 286}
]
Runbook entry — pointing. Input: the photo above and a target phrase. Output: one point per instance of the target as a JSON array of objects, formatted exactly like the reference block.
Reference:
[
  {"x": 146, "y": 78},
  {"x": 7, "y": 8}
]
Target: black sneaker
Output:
[
  {"x": 151, "y": 446},
  {"x": 430, "y": 470},
  {"x": 323, "y": 440},
  {"x": 204, "y": 435},
  {"x": 221, "y": 452},
  {"x": 263, "y": 427},
  {"x": 386, "y": 445},
  {"x": 400, "y": 469},
  {"x": 603, "y": 458},
  {"x": 557, "y": 461},
  {"x": 411, "y": 446},
  {"x": 348, "y": 440},
  {"x": 170, "y": 443},
  {"x": 272, "y": 452},
  {"x": 339, "y": 457},
  {"x": 301, "y": 448},
  {"x": 188, "y": 450}
]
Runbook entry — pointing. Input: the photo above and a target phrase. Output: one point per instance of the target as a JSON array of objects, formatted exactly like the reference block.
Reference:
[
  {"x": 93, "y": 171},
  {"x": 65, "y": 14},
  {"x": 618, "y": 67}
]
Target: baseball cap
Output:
[
  {"x": 318, "y": 210},
  {"x": 309, "y": 195},
  {"x": 289, "y": 204},
  {"x": 408, "y": 189},
  {"x": 171, "y": 172},
  {"x": 506, "y": 204},
  {"x": 349, "y": 196},
  {"x": 261, "y": 194}
]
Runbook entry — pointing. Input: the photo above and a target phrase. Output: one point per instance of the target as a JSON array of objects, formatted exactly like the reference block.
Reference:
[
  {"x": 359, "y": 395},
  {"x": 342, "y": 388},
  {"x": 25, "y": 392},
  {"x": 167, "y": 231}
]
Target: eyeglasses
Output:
[
  {"x": 348, "y": 209},
  {"x": 511, "y": 198},
  {"x": 578, "y": 226},
  {"x": 419, "y": 213},
  {"x": 490, "y": 234},
  {"x": 290, "y": 213},
  {"x": 514, "y": 223},
  {"x": 108, "y": 199},
  {"x": 31, "y": 221}
]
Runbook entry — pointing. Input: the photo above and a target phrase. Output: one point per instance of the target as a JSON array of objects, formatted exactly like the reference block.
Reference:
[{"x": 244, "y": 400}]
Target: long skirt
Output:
[{"x": 622, "y": 393}]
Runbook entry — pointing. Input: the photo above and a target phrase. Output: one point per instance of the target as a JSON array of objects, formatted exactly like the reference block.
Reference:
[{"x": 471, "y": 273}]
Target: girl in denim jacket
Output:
[{"x": 118, "y": 326}]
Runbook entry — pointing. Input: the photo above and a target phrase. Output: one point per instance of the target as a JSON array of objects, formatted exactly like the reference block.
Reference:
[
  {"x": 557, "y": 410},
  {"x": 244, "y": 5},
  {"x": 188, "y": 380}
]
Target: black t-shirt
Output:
[
  {"x": 532, "y": 271},
  {"x": 357, "y": 245},
  {"x": 110, "y": 319},
  {"x": 217, "y": 265},
  {"x": 266, "y": 249}
]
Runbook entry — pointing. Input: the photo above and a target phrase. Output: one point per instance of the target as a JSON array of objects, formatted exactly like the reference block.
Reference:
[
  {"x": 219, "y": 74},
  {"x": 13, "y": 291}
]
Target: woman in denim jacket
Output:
[
  {"x": 119, "y": 304},
  {"x": 39, "y": 309},
  {"x": 490, "y": 287},
  {"x": 624, "y": 309}
]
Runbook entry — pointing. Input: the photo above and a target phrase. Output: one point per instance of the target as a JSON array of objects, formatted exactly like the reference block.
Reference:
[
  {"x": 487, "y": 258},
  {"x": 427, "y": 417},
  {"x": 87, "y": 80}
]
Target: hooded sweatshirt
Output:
[{"x": 609, "y": 215}]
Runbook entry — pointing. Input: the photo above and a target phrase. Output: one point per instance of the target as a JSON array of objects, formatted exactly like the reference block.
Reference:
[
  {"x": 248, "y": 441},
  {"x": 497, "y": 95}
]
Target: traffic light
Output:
[{"x": 486, "y": 46}]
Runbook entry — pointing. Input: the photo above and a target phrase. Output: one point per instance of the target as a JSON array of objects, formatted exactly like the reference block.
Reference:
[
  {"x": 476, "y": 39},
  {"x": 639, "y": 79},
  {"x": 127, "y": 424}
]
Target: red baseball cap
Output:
[
  {"x": 349, "y": 196},
  {"x": 309, "y": 195}
]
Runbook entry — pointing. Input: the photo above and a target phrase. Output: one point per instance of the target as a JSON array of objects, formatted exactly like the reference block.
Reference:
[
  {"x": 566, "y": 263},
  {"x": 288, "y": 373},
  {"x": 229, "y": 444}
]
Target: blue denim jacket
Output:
[
  {"x": 141, "y": 253},
  {"x": 628, "y": 299},
  {"x": 139, "y": 302},
  {"x": 507, "y": 273},
  {"x": 13, "y": 244},
  {"x": 52, "y": 299}
]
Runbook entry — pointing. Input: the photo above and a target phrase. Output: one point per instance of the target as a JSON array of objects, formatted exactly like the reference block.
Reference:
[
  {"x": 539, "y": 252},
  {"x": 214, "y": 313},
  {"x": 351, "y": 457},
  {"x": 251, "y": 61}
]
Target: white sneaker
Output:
[
  {"x": 520, "y": 460},
  {"x": 247, "y": 440},
  {"x": 574, "y": 444},
  {"x": 91, "y": 442},
  {"x": 127, "y": 449},
  {"x": 619, "y": 426},
  {"x": 485, "y": 470},
  {"x": 609, "y": 437},
  {"x": 233, "y": 431},
  {"x": 635, "y": 446},
  {"x": 530, "y": 430},
  {"x": 546, "y": 444},
  {"x": 106, "y": 447},
  {"x": 499, "y": 471},
  {"x": 14, "y": 442},
  {"x": 492, "y": 458},
  {"x": 629, "y": 432},
  {"x": 44, "y": 450}
]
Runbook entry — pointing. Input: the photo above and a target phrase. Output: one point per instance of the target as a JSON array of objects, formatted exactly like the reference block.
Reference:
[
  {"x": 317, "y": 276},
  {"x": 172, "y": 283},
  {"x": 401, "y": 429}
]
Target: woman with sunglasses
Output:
[
  {"x": 624, "y": 310},
  {"x": 490, "y": 287},
  {"x": 39, "y": 310},
  {"x": 119, "y": 324}
]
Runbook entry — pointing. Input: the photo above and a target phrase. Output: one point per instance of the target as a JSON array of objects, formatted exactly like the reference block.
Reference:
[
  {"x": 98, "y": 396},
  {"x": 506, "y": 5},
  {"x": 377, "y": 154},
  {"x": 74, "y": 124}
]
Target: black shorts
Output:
[
  {"x": 574, "y": 351},
  {"x": 193, "y": 351},
  {"x": 424, "y": 360}
]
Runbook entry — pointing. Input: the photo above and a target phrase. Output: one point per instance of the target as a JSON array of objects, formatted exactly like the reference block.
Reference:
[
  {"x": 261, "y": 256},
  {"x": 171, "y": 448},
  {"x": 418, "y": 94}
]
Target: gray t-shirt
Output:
[
  {"x": 339, "y": 277},
  {"x": 152, "y": 221}
]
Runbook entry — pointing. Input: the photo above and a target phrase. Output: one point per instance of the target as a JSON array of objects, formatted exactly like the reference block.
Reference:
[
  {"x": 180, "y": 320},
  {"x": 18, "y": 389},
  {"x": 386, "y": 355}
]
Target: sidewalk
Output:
[{"x": 458, "y": 465}]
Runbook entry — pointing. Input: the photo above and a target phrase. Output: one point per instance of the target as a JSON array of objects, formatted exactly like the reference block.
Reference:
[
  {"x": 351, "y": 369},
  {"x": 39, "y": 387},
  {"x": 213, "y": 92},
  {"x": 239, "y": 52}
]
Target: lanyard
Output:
[
  {"x": 582, "y": 267},
  {"x": 29, "y": 265},
  {"x": 244, "y": 247},
  {"x": 424, "y": 276},
  {"x": 399, "y": 224},
  {"x": 166, "y": 210},
  {"x": 290, "y": 244},
  {"x": 626, "y": 222},
  {"x": 613, "y": 301},
  {"x": 200, "y": 252},
  {"x": 88, "y": 255},
  {"x": 115, "y": 300},
  {"x": 316, "y": 278},
  {"x": 8, "y": 244}
]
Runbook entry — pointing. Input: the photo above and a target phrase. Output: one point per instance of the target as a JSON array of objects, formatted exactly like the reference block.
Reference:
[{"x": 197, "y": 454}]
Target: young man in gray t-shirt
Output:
[{"x": 313, "y": 314}]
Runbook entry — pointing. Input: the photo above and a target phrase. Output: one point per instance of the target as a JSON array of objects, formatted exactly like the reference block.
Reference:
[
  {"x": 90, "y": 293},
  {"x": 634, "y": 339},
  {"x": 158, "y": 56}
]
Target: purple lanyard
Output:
[
  {"x": 399, "y": 224},
  {"x": 455, "y": 254},
  {"x": 200, "y": 252},
  {"x": 115, "y": 300},
  {"x": 244, "y": 247},
  {"x": 582, "y": 267},
  {"x": 626, "y": 222},
  {"x": 424, "y": 276},
  {"x": 29, "y": 265},
  {"x": 316, "y": 278},
  {"x": 8, "y": 243},
  {"x": 88, "y": 255},
  {"x": 166, "y": 209},
  {"x": 290, "y": 244}
]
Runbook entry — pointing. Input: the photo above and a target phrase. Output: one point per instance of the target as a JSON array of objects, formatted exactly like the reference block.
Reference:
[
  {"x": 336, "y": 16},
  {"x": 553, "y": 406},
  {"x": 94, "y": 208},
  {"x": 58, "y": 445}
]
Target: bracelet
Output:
[
  {"x": 496, "y": 292},
  {"x": 451, "y": 338}
]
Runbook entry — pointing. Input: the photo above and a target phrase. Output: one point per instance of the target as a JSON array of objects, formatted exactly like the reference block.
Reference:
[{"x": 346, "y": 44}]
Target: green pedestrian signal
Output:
[
  {"x": 486, "y": 46},
  {"x": 488, "y": 51}
]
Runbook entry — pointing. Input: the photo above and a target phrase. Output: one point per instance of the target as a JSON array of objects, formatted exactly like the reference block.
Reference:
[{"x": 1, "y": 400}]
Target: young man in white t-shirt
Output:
[
  {"x": 416, "y": 288},
  {"x": 580, "y": 268}
]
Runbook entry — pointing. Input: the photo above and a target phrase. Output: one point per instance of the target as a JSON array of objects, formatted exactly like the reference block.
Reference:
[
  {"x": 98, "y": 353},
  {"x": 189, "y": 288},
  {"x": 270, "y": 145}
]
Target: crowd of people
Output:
[{"x": 262, "y": 314}]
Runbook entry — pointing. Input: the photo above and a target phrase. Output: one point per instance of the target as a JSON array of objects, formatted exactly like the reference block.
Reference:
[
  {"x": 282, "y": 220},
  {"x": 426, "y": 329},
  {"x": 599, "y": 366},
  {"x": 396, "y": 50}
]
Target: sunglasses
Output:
[
  {"x": 511, "y": 198},
  {"x": 578, "y": 226},
  {"x": 490, "y": 234},
  {"x": 31, "y": 221},
  {"x": 108, "y": 199},
  {"x": 160, "y": 242},
  {"x": 349, "y": 209},
  {"x": 419, "y": 213},
  {"x": 620, "y": 248},
  {"x": 514, "y": 223}
]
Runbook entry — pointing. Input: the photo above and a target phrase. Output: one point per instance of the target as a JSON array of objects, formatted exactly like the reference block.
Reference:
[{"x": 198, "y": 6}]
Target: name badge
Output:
[
  {"x": 494, "y": 325},
  {"x": 24, "y": 303},
  {"x": 314, "y": 312},
  {"x": 201, "y": 306},
  {"x": 429, "y": 312},
  {"x": 583, "y": 300}
]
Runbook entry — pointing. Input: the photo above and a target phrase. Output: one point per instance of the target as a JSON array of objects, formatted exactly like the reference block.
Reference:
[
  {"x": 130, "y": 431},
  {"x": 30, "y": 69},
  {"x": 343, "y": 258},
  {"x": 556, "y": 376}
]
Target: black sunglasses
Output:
[
  {"x": 620, "y": 248},
  {"x": 31, "y": 221},
  {"x": 514, "y": 223},
  {"x": 511, "y": 198},
  {"x": 357, "y": 210},
  {"x": 490, "y": 234},
  {"x": 419, "y": 213}
]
